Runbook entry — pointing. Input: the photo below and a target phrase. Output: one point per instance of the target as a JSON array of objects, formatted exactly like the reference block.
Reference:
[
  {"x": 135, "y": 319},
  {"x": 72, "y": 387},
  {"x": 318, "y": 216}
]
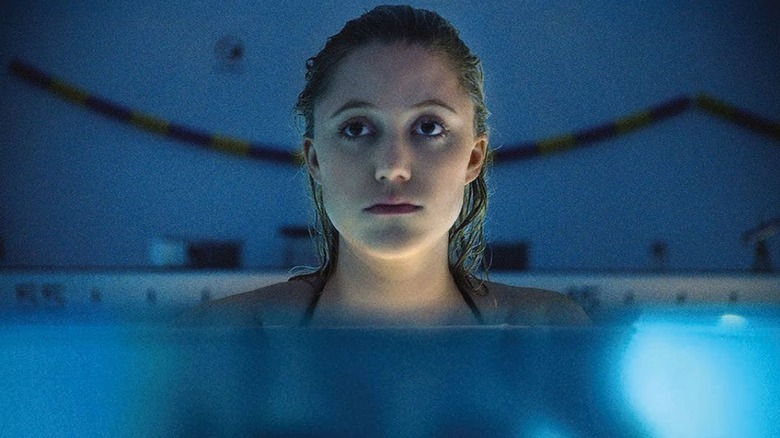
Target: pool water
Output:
[{"x": 665, "y": 372}]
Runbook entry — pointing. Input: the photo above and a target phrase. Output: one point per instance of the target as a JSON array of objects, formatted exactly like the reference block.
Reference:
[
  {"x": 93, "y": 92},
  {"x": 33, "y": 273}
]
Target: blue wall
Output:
[{"x": 79, "y": 189}]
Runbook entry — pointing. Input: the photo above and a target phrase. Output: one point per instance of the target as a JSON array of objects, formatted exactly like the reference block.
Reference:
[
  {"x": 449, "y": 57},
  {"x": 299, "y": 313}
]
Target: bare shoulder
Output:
[
  {"x": 505, "y": 304},
  {"x": 277, "y": 304}
]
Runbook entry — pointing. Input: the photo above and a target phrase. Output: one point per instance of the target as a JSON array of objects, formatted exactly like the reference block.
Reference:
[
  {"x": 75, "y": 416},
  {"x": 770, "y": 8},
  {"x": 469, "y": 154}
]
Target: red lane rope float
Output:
[
  {"x": 148, "y": 122},
  {"x": 524, "y": 151}
]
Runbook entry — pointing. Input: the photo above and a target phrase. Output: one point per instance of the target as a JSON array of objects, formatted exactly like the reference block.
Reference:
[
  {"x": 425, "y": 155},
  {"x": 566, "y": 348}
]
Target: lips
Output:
[{"x": 393, "y": 209}]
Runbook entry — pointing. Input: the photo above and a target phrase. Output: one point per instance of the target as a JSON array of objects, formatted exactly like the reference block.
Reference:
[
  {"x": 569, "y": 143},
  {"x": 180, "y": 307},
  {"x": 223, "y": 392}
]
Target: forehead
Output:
[{"x": 394, "y": 75}]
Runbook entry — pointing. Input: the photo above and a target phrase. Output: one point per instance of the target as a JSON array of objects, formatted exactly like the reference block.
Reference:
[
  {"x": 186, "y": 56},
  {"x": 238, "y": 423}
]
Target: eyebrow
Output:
[
  {"x": 434, "y": 102},
  {"x": 352, "y": 104},
  {"x": 357, "y": 104}
]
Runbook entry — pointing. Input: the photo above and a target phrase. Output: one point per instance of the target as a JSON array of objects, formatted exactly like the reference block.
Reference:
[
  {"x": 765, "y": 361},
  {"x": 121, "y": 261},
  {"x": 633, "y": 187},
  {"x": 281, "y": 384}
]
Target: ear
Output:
[
  {"x": 476, "y": 159},
  {"x": 310, "y": 157}
]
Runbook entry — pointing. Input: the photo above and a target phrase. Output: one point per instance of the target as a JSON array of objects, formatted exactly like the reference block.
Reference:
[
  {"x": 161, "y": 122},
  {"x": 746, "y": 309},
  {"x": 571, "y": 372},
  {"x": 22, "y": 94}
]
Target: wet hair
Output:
[{"x": 427, "y": 29}]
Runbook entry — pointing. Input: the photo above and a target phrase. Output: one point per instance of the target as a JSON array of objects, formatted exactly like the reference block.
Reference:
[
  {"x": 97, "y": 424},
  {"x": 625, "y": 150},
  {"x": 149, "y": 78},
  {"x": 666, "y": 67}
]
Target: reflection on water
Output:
[
  {"x": 704, "y": 373},
  {"x": 671, "y": 372}
]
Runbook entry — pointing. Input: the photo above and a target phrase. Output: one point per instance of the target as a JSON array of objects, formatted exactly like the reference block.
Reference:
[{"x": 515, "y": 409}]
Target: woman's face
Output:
[{"x": 393, "y": 149}]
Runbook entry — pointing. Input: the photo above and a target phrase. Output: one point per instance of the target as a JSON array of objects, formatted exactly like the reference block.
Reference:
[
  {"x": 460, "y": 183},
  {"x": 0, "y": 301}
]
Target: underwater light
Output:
[
  {"x": 689, "y": 380},
  {"x": 729, "y": 320}
]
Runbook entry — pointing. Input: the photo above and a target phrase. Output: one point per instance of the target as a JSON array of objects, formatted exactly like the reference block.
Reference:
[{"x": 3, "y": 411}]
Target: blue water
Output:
[{"x": 692, "y": 372}]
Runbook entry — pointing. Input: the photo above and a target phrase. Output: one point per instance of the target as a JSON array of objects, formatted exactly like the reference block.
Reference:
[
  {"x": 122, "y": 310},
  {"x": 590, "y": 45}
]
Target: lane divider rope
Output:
[{"x": 524, "y": 151}]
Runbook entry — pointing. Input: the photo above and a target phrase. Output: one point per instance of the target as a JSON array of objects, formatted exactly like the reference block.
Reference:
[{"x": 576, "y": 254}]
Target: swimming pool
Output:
[{"x": 91, "y": 354}]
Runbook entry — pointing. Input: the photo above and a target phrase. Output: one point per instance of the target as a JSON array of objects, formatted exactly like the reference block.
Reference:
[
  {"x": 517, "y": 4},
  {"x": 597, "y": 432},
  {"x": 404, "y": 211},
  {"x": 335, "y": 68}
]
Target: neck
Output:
[{"x": 367, "y": 283}]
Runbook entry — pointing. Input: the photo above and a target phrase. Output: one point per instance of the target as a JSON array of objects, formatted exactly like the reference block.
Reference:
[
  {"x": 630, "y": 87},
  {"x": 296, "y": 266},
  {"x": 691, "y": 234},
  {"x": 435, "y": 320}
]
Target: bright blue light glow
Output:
[
  {"x": 728, "y": 320},
  {"x": 545, "y": 429},
  {"x": 693, "y": 380}
]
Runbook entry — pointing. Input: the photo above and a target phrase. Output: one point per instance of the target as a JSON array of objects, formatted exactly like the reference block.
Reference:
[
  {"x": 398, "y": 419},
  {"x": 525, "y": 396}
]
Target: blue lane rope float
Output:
[{"x": 524, "y": 151}]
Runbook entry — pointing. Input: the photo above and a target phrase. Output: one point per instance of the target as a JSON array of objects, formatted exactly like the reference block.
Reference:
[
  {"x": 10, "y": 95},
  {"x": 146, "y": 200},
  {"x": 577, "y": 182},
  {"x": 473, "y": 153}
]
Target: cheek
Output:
[
  {"x": 448, "y": 189},
  {"x": 339, "y": 178},
  {"x": 451, "y": 184},
  {"x": 455, "y": 201},
  {"x": 450, "y": 171},
  {"x": 329, "y": 172}
]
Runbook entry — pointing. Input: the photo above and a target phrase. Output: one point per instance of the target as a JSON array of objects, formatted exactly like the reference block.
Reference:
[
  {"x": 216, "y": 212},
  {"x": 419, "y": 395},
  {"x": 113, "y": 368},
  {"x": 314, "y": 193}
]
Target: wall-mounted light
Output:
[{"x": 229, "y": 53}]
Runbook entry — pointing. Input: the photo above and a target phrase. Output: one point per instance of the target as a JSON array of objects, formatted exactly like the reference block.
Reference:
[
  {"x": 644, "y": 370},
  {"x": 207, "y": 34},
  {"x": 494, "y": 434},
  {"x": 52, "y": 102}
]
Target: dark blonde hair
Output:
[{"x": 404, "y": 24}]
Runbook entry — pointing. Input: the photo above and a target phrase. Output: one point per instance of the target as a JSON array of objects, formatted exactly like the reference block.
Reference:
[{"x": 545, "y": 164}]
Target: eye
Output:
[
  {"x": 429, "y": 128},
  {"x": 355, "y": 129}
]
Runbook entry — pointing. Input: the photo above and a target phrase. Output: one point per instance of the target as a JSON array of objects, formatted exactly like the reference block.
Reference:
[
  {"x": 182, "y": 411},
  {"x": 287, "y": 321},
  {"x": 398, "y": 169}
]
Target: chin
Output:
[
  {"x": 395, "y": 245},
  {"x": 390, "y": 248}
]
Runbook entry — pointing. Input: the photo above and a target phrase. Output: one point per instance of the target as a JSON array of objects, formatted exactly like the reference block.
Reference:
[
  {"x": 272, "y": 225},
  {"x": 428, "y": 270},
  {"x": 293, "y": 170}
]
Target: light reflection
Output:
[
  {"x": 686, "y": 378},
  {"x": 546, "y": 429},
  {"x": 728, "y": 320}
]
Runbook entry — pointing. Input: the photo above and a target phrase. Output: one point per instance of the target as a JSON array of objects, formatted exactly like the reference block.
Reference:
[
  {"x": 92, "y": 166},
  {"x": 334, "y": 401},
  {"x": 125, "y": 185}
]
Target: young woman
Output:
[{"x": 396, "y": 148}]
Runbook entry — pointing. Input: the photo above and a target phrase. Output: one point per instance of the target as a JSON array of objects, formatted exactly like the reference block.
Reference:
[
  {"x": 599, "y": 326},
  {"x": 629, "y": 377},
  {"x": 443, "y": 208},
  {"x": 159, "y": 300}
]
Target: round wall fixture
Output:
[{"x": 229, "y": 52}]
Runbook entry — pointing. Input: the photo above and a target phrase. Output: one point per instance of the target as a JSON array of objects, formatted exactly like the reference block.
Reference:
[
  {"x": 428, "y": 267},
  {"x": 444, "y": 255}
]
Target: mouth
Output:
[{"x": 391, "y": 209}]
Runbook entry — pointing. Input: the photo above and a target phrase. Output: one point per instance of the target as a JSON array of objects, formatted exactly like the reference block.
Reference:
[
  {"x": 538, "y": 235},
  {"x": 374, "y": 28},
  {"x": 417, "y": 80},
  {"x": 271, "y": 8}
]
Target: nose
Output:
[{"x": 393, "y": 161}]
